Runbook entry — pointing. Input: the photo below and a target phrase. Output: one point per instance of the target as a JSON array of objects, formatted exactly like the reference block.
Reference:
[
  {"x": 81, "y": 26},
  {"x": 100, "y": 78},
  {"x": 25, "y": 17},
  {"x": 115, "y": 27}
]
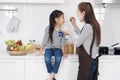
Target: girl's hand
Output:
[
  {"x": 40, "y": 53},
  {"x": 41, "y": 50},
  {"x": 73, "y": 21},
  {"x": 65, "y": 55},
  {"x": 66, "y": 33}
]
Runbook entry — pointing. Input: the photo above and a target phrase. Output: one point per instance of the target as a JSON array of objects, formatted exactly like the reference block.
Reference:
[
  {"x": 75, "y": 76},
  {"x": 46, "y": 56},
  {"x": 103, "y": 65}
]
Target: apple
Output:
[
  {"x": 21, "y": 48},
  {"x": 10, "y": 48}
]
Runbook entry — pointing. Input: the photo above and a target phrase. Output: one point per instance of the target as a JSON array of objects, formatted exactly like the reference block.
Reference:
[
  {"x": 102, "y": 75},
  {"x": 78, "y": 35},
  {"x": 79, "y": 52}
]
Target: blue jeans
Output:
[
  {"x": 92, "y": 69},
  {"x": 57, "y": 53}
]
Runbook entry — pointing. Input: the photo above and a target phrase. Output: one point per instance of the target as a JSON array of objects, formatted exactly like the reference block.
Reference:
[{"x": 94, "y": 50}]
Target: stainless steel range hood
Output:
[{"x": 107, "y": 1}]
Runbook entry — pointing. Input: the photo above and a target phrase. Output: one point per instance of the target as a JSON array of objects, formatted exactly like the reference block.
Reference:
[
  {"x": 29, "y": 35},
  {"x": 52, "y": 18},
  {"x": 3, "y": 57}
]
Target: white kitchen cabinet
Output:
[
  {"x": 13, "y": 1},
  {"x": 60, "y": 74},
  {"x": 109, "y": 69},
  {"x": 45, "y": 1},
  {"x": 11, "y": 70},
  {"x": 35, "y": 70},
  {"x": 70, "y": 70}
]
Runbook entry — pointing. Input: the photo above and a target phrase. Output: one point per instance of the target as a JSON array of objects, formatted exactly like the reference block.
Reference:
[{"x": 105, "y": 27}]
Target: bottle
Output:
[{"x": 32, "y": 46}]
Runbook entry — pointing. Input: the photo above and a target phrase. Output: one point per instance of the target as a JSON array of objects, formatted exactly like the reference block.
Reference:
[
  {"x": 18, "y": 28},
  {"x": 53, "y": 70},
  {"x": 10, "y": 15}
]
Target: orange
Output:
[{"x": 15, "y": 49}]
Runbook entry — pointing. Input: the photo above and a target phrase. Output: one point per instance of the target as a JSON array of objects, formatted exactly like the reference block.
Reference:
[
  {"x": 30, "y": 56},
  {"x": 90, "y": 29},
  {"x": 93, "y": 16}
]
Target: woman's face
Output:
[
  {"x": 80, "y": 15},
  {"x": 60, "y": 21}
]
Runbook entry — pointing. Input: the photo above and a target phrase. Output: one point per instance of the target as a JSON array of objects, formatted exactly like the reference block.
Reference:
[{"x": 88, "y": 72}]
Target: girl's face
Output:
[
  {"x": 60, "y": 21},
  {"x": 80, "y": 15}
]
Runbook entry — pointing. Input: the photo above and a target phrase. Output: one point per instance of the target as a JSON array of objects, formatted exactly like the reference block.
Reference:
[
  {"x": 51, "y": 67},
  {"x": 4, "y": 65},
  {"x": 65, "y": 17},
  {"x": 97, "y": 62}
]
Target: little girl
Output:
[{"x": 53, "y": 41}]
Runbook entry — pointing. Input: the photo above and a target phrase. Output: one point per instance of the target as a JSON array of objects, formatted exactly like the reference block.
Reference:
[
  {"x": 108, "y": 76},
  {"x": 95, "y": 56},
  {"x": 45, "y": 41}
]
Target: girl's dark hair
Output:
[
  {"x": 52, "y": 22},
  {"x": 90, "y": 19}
]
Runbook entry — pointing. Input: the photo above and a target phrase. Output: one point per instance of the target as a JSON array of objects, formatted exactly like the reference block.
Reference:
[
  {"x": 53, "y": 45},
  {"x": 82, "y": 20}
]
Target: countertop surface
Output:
[
  {"x": 109, "y": 58},
  {"x": 5, "y": 55},
  {"x": 34, "y": 56}
]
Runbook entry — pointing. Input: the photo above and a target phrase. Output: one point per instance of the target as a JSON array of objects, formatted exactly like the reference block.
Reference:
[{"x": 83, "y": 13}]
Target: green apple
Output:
[{"x": 21, "y": 48}]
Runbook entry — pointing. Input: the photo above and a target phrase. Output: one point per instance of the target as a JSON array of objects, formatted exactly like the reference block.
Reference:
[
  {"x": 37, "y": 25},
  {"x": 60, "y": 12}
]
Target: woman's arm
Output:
[
  {"x": 87, "y": 30},
  {"x": 73, "y": 22},
  {"x": 77, "y": 30}
]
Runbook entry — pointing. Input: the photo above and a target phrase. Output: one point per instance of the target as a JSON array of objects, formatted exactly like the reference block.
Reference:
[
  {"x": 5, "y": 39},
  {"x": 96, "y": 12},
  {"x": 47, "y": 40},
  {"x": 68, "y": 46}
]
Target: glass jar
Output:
[
  {"x": 32, "y": 46},
  {"x": 69, "y": 46}
]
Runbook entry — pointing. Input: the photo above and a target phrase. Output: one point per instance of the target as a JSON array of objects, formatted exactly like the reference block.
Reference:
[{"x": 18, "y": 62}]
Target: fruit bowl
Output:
[{"x": 17, "y": 53}]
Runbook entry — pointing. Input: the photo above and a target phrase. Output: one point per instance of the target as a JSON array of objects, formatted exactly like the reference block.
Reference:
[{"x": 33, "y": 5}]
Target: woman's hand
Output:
[{"x": 73, "y": 21}]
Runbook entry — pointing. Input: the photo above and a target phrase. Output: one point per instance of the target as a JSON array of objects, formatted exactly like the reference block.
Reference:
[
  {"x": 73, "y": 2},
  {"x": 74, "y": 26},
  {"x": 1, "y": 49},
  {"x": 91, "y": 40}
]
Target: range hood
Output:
[{"x": 107, "y": 1}]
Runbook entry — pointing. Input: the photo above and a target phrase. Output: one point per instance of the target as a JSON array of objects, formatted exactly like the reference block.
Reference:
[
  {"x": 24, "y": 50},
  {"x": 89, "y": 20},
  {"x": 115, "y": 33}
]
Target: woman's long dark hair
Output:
[
  {"x": 90, "y": 18},
  {"x": 52, "y": 22}
]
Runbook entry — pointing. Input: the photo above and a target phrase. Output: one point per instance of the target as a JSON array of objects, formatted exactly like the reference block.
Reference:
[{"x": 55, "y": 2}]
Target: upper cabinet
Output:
[
  {"x": 13, "y": 1},
  {"x": 31, "y": 1},
  {"x": 45, "y": 1}
]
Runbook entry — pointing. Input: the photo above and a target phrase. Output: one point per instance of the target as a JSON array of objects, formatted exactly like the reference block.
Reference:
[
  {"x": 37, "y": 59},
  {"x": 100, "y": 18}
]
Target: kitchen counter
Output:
[
  {"x": 31, "y": 66},
  {"x": 109, "y": 67},
  {"x": 5, "y": 55},
  {"x": 109, "y": 57}
]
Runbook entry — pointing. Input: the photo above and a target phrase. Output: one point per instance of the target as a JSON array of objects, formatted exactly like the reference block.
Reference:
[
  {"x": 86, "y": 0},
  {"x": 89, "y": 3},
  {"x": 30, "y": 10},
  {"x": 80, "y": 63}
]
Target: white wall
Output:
[
  {"x": 111, "y": 26},
  {"x": 34, "y": 18}
]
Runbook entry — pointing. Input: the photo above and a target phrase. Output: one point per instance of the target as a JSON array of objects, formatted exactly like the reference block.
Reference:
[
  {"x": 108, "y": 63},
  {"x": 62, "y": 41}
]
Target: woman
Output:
[
  {"x": 53, "y": 41},
  {"x": 88, "y": 42}
]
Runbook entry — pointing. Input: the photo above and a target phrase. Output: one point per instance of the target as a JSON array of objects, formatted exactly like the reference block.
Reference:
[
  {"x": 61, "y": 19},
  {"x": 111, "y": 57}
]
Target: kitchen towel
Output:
[{"x": 13, "y": 24}]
